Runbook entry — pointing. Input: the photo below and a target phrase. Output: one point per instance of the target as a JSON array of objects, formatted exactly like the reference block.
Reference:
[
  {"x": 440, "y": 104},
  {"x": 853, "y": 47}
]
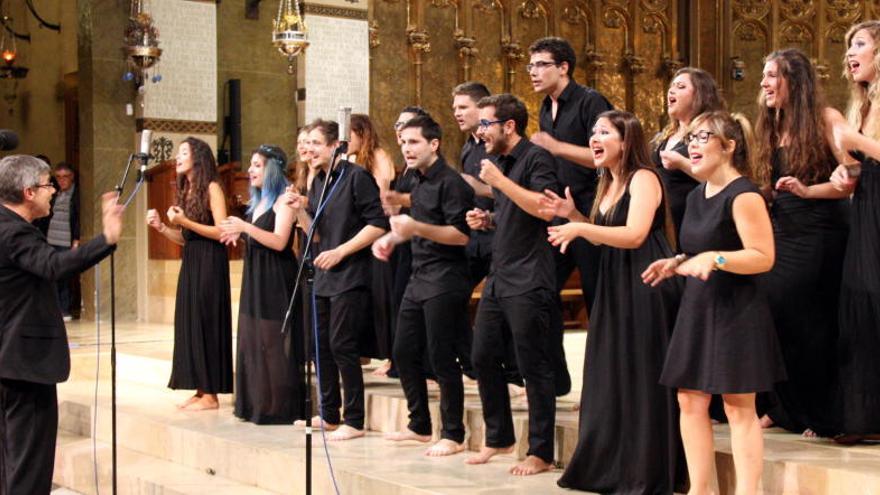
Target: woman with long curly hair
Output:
[
  {"x": 795, "y": 158},
  {"x": 859, "y": 374},
  {"x": 202, "y": 314}
]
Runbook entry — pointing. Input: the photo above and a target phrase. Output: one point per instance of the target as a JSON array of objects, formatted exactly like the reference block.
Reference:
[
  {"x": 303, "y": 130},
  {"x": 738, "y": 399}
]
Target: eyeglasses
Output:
[
  {"x": 540, "y": 65},
  {"x": 63, "y": 176},
  {"x": 701, "y": 137},
  {"x": 40, "y": 186},
  {"x": 486, "y": 123}
]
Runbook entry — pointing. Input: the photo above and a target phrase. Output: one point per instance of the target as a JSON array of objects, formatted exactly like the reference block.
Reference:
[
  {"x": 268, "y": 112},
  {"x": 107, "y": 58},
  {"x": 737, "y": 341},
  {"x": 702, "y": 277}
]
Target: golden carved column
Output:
[{"x": 419, "y": 42}]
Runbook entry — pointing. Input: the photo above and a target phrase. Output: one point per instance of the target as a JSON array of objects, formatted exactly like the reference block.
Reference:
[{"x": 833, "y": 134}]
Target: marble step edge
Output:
[
  {"x": 781, "y": 474},
  {"x": 139, "y": 474},
  {"x": 239, "y": 461}
]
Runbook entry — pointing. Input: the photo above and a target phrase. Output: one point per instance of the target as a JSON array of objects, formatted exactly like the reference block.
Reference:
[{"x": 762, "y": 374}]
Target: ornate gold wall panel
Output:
[
  {"x": 750, "y": 29},
  {"x": 422, "y": 48}
]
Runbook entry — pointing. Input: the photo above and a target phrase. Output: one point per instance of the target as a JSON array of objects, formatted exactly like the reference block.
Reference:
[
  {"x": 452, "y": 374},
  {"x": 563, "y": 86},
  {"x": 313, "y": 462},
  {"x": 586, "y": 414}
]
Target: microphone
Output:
[
  {"x": 343, "y": 116},
  {"x": 8, "y": 140},
  {"x": 144, "y": 153}
]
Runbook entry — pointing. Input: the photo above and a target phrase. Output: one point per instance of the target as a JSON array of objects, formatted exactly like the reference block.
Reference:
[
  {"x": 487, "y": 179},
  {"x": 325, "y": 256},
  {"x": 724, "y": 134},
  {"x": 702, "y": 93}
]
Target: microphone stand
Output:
[
  {"x": 113, "y": 435},
  {"x": 307, "y": 268}
]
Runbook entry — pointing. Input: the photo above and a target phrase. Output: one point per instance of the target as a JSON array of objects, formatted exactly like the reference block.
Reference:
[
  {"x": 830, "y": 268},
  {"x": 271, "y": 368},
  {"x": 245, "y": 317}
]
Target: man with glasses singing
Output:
[
  {"x": 517, "y": 299},
  {"x": 568, "y": 113},
  {"x": 34, "y": 355}
]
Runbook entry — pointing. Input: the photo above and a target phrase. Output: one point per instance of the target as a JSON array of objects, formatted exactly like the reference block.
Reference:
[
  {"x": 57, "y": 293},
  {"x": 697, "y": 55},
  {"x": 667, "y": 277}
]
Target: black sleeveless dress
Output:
[
  {"x": 676, "y": 183},
  {"x": 860, "y": 310},
  {"x": 269, "y": 387},
  {"x": 628, "y": 436},
  {"x": 724, "y": 341},
  {"x": 202, "y": 318},
  {"x": 804, "y": 290}
]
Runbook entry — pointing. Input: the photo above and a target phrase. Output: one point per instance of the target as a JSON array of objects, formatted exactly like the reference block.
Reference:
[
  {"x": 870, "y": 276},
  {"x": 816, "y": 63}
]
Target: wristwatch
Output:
[{"x": 720, "y": 261}]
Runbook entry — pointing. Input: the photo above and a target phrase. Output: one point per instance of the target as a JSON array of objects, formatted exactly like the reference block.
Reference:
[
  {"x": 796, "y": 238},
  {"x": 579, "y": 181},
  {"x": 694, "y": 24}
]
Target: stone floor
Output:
[{"x": 166, "y": 451}]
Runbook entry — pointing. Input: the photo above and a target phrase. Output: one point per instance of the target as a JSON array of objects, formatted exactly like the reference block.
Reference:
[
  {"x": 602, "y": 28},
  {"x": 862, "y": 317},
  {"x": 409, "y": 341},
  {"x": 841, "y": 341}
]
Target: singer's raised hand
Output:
[
  {"x": 328, "y": 259},
  {"x": 490, "y": 173},
  {"x": 553, "y": 204},
  {"x": 403, "y": 225},
  {"x": 111, "y": 216},
  {"x": 153, "y": 220},
  {"x": 233, "y": 225},
  {"x": 477, "y": 219},
  {"x": 175, "y": 215},
  {"x": 230, "y": 238},
  {"x": 383, "y": 247}
]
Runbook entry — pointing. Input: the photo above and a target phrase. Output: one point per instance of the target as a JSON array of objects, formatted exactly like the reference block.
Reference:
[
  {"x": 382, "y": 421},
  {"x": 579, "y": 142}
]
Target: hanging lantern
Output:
[
  {"x": 289, "y": 32},
  {"x": 141, "y": 45}
]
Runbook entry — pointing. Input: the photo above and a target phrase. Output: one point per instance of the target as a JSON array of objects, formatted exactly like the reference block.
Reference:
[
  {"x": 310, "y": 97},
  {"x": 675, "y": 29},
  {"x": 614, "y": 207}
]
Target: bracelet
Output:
[{"x": 680, "y": 258}]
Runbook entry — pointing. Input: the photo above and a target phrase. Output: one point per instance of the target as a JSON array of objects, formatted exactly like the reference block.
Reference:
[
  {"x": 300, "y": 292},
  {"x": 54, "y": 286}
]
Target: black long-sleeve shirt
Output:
[
  {"x": 440, "y": 197},
  {"x": 352, "y": 203},
  {"x": 522, "y": 260},
  {"x": 576, "y": 113}
]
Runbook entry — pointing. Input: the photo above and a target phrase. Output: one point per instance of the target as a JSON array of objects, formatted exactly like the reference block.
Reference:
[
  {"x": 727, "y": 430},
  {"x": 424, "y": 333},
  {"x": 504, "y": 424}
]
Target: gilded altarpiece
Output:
[
  {"x": 420, "y": 49},
  {"x": 751, "y": 29}
]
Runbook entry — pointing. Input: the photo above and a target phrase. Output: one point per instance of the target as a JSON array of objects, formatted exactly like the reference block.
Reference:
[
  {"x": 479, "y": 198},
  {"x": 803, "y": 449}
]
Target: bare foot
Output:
[
  {"x": 531, "y": 465},
  {"x": 515, "y": 390},
  {"x": 206, "y": 403},
  {"x": 808, "y": 433},
  {"x": 383, "y": 369},
  {"x": 400, "y": 436},
  {"x": 345, "y": 432},
  {"x": 444, "y": 447},
  {"x": 766, "y": 422},
  {"x": 316, "y": 422},
  {"x": 187, "y": 402},
  {"x": 487, "y": 453}
]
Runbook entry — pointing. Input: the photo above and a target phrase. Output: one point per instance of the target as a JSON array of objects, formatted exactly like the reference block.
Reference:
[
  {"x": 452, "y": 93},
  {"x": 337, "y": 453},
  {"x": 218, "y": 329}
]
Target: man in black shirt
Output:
[
  {"x": 34, "y": 355},
  {"x": 568, "y": 113},
  {"x": 519, "y": 288},
  {"x": 433, "y": 313},
  {"x": 351, "y": 219},
  {"x": 465, "y": 97}
]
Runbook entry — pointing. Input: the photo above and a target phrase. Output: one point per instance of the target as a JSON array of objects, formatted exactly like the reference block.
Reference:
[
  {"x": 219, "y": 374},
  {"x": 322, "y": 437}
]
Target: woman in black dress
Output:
[
  {"x": 365, "y": 151},
  {"x": 691, "y": 93},
  {"x": 269, "y": 388},
  {"x": 628, "y": 432},
  {"x": 202, "y": 314},
  {"x": 723, "y": 341},
  {"x": 859, "y": 374},
  {"x": 794, "y": 162}
]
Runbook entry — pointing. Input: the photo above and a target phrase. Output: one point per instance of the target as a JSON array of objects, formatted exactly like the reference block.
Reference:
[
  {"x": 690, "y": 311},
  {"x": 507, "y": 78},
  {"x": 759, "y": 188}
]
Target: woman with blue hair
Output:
[{"x": 268, "y": 378}]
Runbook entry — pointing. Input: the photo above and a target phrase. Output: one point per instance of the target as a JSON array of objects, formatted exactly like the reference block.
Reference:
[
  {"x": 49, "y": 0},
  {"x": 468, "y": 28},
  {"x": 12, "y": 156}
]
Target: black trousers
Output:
[
  {"x": 479, "y": 269},
  {"x": 435, "y": 324},
  {"x": 28, "y": 426},
  {"x": 340, "y": 324},
  {"x": 524, "y": 319}
]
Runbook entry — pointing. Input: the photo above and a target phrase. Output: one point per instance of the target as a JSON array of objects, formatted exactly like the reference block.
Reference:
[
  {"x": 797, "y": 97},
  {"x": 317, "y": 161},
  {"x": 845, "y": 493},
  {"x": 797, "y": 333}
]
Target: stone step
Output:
[
  {"x": 272, "y": 457},
  {"x": 138, "y": 474}
]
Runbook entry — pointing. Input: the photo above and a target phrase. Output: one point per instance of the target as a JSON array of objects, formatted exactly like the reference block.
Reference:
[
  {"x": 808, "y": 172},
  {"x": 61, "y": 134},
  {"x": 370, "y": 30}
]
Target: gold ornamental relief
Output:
[
  {"x": 796, "y": 33},
  {"x": 798, "y": 10},
  {"x": 751, "y": 9},
  {"x": 750, "y": 31},
  {"x": 654, "y": 6},
  {"x": 532, "y": 9}
]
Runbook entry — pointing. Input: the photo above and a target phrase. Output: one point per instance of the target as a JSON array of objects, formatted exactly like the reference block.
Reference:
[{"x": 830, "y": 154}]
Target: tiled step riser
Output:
[
  {"x": 281, "y": 472},
  {"x": 138, "y": 474}
]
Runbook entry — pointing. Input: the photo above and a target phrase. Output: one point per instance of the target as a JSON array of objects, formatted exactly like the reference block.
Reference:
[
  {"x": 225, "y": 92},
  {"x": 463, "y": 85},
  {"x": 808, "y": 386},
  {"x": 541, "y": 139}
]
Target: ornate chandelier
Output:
[
  {"x": 141, "y": 45},
  {"x": 289, "y": 32}
]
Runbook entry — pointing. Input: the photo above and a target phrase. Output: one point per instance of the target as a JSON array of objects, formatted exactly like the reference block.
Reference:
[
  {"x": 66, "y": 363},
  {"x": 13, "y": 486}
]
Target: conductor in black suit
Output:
[{"x": 34, "y": 354}]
